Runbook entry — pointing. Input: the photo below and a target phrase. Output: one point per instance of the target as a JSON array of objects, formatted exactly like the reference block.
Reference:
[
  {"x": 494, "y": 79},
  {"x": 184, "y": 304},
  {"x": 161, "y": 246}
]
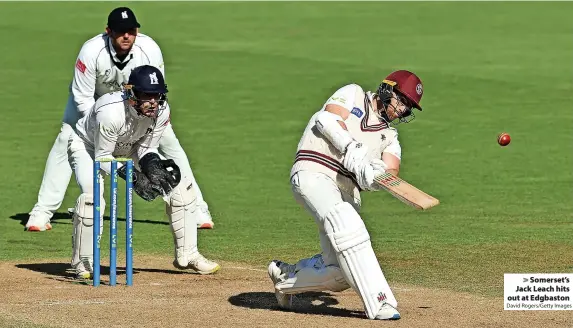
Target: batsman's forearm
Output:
[{"x": 334, "y": 130}]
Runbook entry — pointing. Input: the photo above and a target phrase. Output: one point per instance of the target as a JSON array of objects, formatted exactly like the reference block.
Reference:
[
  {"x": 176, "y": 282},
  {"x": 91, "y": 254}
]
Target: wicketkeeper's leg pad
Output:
[
  {"x": 357, "y": 260},
  {"x": 181, "y": 207},
  {"x": 82, "y": 235}
]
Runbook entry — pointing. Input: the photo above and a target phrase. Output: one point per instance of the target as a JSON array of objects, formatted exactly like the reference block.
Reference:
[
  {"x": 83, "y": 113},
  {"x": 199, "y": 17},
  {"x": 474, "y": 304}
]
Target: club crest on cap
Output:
[
  {"x": 419, "y": 89},
  {"x": 153, "y": 78},
  {"x": 124, "y": 15}
]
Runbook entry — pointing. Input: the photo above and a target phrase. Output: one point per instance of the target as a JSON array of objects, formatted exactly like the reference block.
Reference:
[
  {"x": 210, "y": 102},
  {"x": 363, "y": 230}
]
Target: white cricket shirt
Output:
[
  {"x": 98, "y": 71},
  {"x": 316, "y": 153},
  {"x": 112, "y": 128}
]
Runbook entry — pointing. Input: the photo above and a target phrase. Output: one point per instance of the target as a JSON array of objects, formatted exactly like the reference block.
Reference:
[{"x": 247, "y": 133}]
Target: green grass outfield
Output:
[{"x": 244, "y": 79}]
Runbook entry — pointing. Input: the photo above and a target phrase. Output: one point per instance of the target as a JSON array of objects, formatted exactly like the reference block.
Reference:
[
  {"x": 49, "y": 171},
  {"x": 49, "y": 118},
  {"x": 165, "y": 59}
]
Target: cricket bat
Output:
[{"x": 405, "y": 192}]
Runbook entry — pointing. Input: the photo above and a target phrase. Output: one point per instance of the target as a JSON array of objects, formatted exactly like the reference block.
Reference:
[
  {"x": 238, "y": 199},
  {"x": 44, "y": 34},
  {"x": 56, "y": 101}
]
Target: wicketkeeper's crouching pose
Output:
[
  {"x": 345, "y": 145},
  {"x": 129, "y": 123}
]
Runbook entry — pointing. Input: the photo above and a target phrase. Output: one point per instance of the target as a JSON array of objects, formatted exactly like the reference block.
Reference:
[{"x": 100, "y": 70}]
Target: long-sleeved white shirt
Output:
[
  {"x": 112, "y": 129},
  {"x": 316, "y": 153},
  {"x": 98, "y": 71}
]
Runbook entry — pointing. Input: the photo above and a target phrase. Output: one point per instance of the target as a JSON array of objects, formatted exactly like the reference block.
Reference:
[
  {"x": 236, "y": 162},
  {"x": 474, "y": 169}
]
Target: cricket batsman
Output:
[
  {"x": 131, "y": 123},
  {"x": 102, "y": 66},
  {"x": 344, "y": 146}
]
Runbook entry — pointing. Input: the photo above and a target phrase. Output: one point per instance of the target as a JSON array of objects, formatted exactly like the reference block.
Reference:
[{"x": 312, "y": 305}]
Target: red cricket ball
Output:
[{"x": 503, "y": 139}]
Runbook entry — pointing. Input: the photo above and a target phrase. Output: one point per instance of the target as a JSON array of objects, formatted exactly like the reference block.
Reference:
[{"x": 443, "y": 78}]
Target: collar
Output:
[
  {"x": 368, "y": 107},
  {"x": 370, "y": 96},
  {"x": 370, "y": 100}
]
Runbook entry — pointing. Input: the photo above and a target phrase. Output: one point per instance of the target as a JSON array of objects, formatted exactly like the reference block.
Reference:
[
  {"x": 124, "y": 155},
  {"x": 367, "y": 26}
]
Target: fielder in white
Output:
[
  {"x": 345, "y": 145},
  {"x": 102, "y": 66},
  {"x": 131, "y": 123}
]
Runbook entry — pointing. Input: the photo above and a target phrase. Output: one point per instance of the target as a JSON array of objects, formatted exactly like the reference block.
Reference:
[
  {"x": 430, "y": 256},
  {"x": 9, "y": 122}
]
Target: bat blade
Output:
[{"x": 405, "y": 192}]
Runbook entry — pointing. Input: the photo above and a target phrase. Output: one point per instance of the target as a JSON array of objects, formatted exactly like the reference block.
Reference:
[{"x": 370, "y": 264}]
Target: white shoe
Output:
[
  {"x": 387, "y": 312},
  {"x": 38, "y": 221},
  {"x": 84, "y": 269},
  {"x": 278, "y": 272},
  {"x": 204, "y": 220},
  {"x": 199, "y": 264}
]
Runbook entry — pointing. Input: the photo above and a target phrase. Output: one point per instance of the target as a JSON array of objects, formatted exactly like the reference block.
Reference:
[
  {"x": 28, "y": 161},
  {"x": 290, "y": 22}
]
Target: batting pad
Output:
[
  {"x": 357, "y": 260},
  {"x": 182, "y": 212}
]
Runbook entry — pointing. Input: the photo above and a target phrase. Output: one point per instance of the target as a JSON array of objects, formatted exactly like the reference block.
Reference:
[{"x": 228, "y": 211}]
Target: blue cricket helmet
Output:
[
  {"x": 147, "y": 79},
  {"x": 146, "y": 82}
]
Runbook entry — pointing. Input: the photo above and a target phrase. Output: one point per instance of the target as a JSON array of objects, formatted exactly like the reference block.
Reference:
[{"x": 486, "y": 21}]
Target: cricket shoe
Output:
[
  {"x": 204, "y": 219},
  {"x": 279, "y": 271},
  {"x": 387, "y": 312},
  {"x": 199, "y": 264},
  {"x": 84, "y": 269},
  {"x": 38, "y": 221}
]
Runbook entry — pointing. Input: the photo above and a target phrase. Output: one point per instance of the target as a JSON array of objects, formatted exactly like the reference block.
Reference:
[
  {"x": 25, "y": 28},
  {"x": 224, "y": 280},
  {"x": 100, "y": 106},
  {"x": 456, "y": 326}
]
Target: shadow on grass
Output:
[
  {"x": 66, "y": 218},
  {"x": 319, "y": 303},
  {"x": 64, "y": 272}
]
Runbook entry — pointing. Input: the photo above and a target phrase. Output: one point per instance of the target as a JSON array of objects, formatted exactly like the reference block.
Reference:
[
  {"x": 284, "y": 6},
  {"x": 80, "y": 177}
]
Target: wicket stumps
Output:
[{"x": 113, "y": 221}]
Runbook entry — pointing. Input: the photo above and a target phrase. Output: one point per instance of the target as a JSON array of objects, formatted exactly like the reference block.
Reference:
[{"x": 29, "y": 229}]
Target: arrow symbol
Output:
[{"x": 525, "y": 279}]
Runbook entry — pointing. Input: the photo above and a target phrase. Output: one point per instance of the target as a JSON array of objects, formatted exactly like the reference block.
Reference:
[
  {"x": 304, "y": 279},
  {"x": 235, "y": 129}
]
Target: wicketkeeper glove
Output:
[
  {"x": 141, "y": 184},
  {"x": 163, "y": 173}
]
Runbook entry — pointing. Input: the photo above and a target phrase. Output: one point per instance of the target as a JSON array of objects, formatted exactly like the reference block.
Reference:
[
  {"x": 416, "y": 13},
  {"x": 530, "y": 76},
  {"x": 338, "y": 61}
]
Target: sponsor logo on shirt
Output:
[
  {"x": 81, "y": 66},
  {"x": 357, "y": 111},
  {"x": 123, "y": 145},
  {"x": 339, "y": 99},
  {"x": 114, "y": 85}
]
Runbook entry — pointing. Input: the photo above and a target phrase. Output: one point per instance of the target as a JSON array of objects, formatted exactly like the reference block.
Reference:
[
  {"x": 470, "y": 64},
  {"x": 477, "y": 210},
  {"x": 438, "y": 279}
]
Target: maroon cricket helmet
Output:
[{"x": 408, "y": 84}]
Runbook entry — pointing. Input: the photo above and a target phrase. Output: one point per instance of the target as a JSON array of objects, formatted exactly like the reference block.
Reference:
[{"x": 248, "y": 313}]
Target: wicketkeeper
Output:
[
  {"x": 344, "y": 146},
  {"x": 131, "y": 123},
  {"x": 102, "y": 66}
]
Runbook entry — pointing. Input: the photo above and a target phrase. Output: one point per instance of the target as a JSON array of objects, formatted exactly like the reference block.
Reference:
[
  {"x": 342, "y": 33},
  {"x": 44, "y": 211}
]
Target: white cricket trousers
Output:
[
  {"x": 57, "y": 173},
  {"x": 318, "y": 193}
]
